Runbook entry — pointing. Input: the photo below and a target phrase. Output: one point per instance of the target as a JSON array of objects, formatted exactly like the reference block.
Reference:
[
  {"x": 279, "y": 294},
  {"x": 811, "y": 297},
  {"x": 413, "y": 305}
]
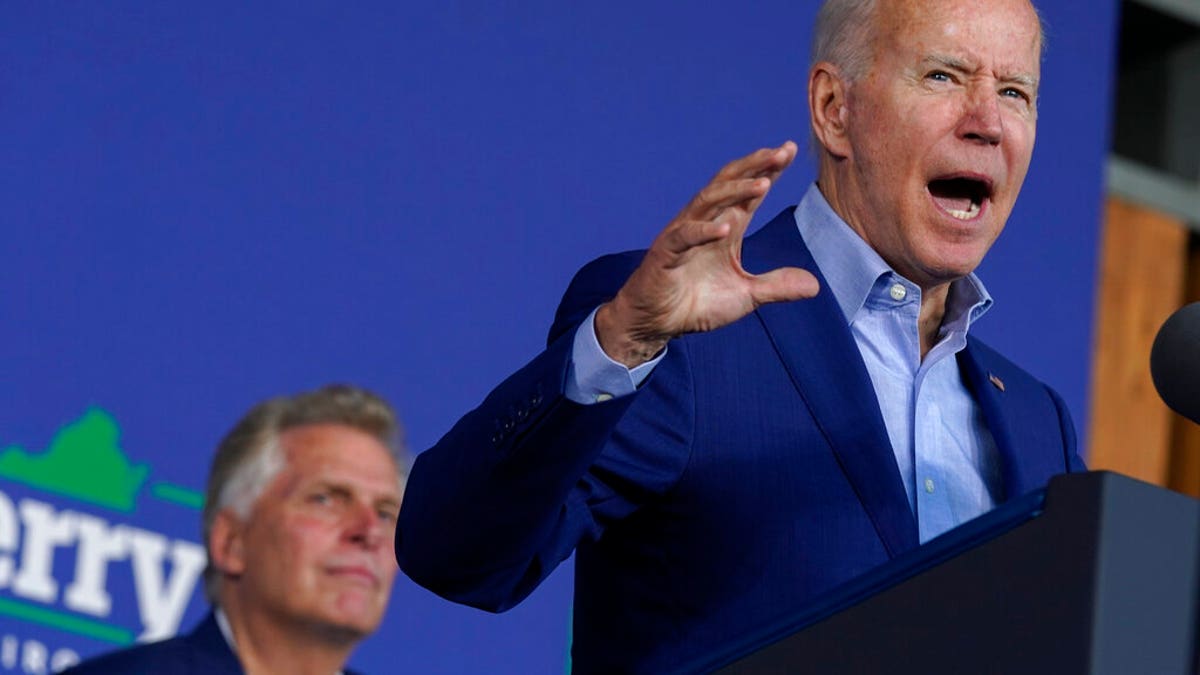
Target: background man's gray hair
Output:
[{"x": 249, "y": 457}]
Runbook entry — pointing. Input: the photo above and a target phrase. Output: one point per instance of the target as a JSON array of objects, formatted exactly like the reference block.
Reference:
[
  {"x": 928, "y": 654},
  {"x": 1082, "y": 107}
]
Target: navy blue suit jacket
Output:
[
  {"x": 200, "y": 652},
  {"x": 750, "y": 473}
]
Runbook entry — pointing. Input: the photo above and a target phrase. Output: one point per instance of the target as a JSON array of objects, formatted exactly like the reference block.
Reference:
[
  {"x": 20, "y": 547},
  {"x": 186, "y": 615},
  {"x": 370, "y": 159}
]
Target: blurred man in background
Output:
[{"x": 299, "y": 516}]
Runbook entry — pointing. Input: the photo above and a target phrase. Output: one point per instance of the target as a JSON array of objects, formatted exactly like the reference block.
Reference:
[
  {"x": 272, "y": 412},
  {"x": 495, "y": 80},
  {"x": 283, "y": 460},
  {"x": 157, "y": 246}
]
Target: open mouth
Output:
[{"x": 962, "y": 197}]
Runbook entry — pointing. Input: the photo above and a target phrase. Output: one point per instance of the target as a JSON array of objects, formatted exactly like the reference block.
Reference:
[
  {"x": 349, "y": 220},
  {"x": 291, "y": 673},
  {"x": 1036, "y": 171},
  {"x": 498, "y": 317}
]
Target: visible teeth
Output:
[{"x": 966, "y": 214}]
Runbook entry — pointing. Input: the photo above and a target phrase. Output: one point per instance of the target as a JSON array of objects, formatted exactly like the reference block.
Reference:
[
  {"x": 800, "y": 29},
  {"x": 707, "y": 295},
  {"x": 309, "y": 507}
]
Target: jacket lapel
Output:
[
  {"x": 817, "y": 349},
  {"x": 1000, "y": 408}
]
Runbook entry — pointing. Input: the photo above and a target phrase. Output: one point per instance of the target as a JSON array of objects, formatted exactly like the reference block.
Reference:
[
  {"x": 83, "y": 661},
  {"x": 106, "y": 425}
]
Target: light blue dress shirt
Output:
[{"x": 947, "y": 457}]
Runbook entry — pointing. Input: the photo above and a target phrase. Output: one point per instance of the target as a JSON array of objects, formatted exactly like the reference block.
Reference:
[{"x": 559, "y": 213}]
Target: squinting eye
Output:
[
  {"x": 1014, "y": 93},
  {"x": 939, "y": 76}
]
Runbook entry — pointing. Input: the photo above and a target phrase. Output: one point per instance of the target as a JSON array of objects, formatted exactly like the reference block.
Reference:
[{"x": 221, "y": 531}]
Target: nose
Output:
[
  {"x": 365, "y": 527},
  {"x": 981, "y": 120}
]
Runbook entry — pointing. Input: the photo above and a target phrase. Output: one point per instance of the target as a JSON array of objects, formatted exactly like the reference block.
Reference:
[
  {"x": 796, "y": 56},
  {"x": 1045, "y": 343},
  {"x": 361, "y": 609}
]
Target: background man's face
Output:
[
  {"x": 318, "y": 543},
  {"x": 941, "y": 129}
]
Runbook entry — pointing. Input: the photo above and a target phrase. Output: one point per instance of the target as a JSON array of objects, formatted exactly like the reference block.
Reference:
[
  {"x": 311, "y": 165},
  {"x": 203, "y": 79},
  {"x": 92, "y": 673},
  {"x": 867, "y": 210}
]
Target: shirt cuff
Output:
[{"x": 593, "y": 377}]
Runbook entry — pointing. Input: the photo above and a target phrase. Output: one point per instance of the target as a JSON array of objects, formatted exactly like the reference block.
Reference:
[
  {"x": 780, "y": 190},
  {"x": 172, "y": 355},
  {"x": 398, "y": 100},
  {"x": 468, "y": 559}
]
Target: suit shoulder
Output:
[
  {"x": 200, "y": 652},
  {"x": 169, "y": 656},
  {"x": 606, "y": 273},
  {"x": 593, "y": 285}
]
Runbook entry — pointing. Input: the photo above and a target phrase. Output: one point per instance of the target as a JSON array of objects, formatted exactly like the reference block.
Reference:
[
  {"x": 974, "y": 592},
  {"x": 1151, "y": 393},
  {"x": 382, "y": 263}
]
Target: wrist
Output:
[{"x": 620, "y": 337}]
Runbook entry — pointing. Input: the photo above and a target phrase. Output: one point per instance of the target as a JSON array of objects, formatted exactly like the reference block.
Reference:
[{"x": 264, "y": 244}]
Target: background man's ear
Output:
[
  {"x": 225, "y": 543},
  {"x": 827, "y": 108}
]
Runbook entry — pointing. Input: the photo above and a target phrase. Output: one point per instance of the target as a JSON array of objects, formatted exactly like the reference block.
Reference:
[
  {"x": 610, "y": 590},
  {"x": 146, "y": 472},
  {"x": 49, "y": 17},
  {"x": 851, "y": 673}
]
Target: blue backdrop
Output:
[{"x": 206, "y": 204}]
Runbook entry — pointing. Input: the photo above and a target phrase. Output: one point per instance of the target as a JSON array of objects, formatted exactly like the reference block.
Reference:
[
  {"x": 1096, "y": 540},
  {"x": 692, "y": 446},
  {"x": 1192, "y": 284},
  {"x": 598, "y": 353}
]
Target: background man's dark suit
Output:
[
  {"x": 750, "y": 473},
  {"x": 200, "y": 652}
]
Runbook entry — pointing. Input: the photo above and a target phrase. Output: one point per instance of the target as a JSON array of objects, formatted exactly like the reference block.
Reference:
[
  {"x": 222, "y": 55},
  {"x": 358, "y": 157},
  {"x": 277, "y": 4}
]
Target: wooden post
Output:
[{"x": 1144, "y": 260}]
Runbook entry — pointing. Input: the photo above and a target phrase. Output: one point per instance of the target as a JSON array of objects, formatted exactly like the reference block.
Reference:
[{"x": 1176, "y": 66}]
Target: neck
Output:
[
  {"x": 933, "y": 309},
  {"x": 265, "y": 645},
  {"x": 933, "y": 298}
]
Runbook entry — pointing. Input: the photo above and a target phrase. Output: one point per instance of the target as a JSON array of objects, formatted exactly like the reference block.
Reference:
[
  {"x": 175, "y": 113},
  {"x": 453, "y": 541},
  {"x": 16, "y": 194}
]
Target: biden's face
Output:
[{"x": 940, "y": 129}]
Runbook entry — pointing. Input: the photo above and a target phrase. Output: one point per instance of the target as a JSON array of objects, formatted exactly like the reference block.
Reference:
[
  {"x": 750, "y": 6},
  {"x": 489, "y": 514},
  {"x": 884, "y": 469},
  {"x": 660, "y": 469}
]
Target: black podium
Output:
[{"x": 1096, "y": 574}]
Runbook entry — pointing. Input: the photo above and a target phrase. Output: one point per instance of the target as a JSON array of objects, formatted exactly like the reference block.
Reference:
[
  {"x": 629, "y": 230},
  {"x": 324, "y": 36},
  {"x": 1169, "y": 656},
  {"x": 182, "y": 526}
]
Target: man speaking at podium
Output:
[{"x": 724, "y": 428}]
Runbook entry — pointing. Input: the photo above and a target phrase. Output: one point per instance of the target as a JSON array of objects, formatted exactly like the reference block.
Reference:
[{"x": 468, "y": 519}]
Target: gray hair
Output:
[
  {"x": 250, "y": 456},
  {"x": 842, "y": 35}
]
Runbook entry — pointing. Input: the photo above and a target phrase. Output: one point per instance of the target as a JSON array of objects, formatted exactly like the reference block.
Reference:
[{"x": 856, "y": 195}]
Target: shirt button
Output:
[
  {"x": 601, "y": 398},
  {"x": 898, "y": 292},
  {"x": 929, "y": 485}
]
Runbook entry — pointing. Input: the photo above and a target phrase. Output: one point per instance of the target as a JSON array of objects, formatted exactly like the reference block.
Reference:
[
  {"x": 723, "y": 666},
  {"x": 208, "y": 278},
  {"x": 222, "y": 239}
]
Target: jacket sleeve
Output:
[{"x": 514, "y": 486}]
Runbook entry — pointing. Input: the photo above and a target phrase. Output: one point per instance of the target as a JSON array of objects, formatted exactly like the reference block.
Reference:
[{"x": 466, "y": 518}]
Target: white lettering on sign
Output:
[
  {"x": 165, "y": 572},
  {"x": 29, "y": 657}
]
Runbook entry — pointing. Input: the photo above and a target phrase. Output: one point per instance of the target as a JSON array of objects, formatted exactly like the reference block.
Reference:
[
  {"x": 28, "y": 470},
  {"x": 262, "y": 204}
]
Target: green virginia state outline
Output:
[{"x": 83, "y": 462}]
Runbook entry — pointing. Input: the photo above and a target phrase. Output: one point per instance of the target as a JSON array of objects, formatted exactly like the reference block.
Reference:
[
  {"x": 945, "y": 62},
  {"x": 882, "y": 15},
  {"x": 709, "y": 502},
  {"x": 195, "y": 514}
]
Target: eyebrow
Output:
[
  {"x": 348, "y": 490},
  {"x": 387, "y": 501},
  {"x": 949, "y": 62},
  {"x": 960, "y": 65}
]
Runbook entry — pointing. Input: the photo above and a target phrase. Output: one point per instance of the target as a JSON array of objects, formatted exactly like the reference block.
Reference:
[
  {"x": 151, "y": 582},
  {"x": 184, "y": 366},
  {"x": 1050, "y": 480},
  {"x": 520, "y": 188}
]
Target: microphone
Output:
[{"x": 1175, "y": 361}]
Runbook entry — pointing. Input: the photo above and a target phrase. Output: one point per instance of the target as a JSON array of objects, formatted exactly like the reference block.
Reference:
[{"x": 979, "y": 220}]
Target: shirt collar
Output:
[
  {"x": 852, "y": 268},
  {"x": 226, "y": 631}
]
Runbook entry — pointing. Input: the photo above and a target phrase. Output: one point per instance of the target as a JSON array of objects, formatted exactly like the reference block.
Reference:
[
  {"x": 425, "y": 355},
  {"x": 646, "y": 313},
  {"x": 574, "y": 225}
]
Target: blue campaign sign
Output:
[
  {"x": 207, "y": 204},
  {"x": 94, "y": 564}
]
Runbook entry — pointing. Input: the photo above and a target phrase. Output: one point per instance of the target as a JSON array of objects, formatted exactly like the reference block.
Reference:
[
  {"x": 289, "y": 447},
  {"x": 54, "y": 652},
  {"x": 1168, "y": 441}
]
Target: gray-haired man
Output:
[{"x": 299, "y": 517}]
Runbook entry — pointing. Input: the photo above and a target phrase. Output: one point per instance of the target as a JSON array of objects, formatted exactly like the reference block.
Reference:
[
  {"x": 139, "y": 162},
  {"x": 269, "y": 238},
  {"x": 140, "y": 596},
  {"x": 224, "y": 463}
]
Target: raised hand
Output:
[{"x": 691, "y": 279}]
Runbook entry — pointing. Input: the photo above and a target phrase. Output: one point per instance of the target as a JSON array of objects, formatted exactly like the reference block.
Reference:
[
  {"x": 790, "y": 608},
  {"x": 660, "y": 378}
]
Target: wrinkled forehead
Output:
[
  {"x": 1003, "y": 35},
  {"x": 347, "y": 458}
]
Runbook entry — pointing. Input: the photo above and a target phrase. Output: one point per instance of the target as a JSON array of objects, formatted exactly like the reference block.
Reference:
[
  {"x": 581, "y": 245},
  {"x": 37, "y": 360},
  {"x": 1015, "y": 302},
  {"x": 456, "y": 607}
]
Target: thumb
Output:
[{"x": 782, "y": 285}]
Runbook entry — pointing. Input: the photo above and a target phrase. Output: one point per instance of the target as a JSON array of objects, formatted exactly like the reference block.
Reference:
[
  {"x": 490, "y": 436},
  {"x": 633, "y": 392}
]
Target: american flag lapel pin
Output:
[{"x": 996, "y": 382}]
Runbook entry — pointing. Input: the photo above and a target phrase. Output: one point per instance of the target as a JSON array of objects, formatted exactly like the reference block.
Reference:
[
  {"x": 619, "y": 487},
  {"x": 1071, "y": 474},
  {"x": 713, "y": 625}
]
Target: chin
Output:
[
  {"x": 955, "y": 261},
  {"x": 352, "y": 613},
  {"x": 350, "y": 629},
  {"x": 945, "y": 271}
]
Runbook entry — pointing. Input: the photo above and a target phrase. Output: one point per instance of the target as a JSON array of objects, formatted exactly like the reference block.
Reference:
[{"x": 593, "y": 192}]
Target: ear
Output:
[
  {"x": 827, "y": 106},
  {"x": 226, "y": 542}
]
